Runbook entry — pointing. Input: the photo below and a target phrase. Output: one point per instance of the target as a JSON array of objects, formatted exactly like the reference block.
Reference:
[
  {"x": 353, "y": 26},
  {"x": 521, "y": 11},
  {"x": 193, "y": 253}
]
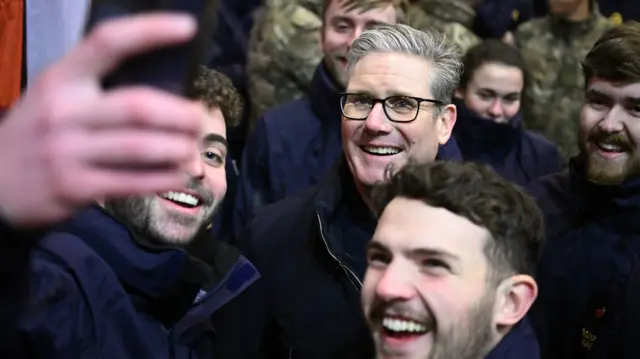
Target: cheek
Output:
[
  {"x": 349, "y": 128},
  {"x": 216, "y": 181},
  {"x": 369, "y": 284},
  {"x": 334, "y": 41},
  {"x": 449, "y": 300},
  {"x": 512, "y": 109},
  {"x": 589, "y": 119},
  {"x": 475, "y": 104}
]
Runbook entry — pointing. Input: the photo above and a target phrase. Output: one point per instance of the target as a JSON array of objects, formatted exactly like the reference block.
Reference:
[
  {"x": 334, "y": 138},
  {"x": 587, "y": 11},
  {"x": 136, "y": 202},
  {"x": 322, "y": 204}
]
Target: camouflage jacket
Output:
[
  {"x": 553, "y": 50},
  {"x": 284, "y": 50},
  {"x": 454, "y": 18}
]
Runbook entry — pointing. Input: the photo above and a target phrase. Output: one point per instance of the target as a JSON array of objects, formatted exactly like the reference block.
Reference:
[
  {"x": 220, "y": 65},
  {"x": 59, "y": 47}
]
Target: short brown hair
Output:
[
  {"x": 479, "y": 194},
  {"x": 615, "y": 56},
  {"x": 216, "y": 91},
  {"x": 366, "y": 5}
]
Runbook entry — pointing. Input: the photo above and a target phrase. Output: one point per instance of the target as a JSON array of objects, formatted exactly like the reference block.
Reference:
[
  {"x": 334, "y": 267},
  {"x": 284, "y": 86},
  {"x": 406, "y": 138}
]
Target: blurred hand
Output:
[{"x": 69, "y": 142}]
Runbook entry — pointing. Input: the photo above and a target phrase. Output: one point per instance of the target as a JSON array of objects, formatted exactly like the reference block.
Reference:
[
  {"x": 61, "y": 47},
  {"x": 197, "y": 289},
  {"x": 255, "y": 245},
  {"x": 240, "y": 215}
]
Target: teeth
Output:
[
  {"x": 181, "y": 197},
  {"x": 382, "y": 150},
  {"x": 609, "y": 147},
  {"x": 398, "y": 325}
]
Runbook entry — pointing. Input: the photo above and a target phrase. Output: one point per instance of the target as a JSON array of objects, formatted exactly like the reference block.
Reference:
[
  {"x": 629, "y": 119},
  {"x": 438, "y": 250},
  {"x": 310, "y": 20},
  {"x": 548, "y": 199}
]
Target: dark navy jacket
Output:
[
  {"x": 518, "y": 155},
  {"x": 292, "y": 148},
  {"x": 99, "y": 291},
  {"x": 589, "y": 276},
  {"x": 628, "y": 10},
  {"x": 309, "y": 249}
]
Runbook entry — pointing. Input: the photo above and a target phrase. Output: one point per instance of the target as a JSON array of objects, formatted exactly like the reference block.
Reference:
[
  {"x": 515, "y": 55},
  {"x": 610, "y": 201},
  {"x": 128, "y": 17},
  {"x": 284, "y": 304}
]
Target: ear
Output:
[
  {"x": 515, "y": 296},
  {"x": 445, "y": 121},
  {"x": 459, "y": 94}
]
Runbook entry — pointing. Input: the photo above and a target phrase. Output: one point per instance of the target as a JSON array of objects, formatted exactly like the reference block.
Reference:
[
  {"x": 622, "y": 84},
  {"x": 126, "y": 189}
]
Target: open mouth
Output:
[
  {"x": 181, "y": 199},
  {"x": 610, "y": 149},
  {"x": 403, "y": 329},
  {"x": 380, "y": 150}
]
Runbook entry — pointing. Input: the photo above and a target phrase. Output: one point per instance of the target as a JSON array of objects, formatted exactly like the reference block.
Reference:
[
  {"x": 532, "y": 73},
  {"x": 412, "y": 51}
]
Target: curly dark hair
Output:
[
  {"x": 615, "y": 56},
  {"x": 216, "y": 90},
  {"x": 479, "y": 194}
]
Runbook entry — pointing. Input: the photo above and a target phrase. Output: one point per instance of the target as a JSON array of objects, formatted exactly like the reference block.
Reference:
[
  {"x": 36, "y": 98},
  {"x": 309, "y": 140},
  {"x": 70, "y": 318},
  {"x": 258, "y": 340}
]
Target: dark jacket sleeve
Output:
[
  {"x": 14, "y": 280},
  {"x": 254, "y": 184},
  {"x": 58, "y": 322}
]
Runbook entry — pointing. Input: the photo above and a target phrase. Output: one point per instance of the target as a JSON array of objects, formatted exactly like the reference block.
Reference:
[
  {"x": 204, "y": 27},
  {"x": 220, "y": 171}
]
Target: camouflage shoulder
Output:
[
  {"x": 461, "y": 36},
  {"x": 532, "y": 28},
  {"x": 603, "y": 24}
]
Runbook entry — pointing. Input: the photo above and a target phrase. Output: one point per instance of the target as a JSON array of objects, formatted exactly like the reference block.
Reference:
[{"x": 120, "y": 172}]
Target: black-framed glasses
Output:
[{"x": 356, "y": 106}]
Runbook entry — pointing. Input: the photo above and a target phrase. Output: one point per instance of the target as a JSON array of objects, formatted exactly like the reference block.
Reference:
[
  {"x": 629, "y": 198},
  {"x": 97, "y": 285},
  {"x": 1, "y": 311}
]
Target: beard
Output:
[
  {"x": 470, "y": 338},
  {"x": 151, "y": 218},
  {"x": 613, "y": 171}
]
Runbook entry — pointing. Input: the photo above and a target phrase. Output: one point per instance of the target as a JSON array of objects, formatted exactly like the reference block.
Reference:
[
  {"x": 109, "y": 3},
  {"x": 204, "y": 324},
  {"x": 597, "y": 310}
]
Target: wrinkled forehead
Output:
[{"x": 383, "y": 74}]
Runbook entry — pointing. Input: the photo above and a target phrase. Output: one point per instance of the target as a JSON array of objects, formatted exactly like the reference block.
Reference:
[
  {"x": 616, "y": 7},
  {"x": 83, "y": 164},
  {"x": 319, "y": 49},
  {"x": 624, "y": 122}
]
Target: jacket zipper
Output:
[
  {"x": 290, "y": 353},
  {"x": 350, "y": 274}
]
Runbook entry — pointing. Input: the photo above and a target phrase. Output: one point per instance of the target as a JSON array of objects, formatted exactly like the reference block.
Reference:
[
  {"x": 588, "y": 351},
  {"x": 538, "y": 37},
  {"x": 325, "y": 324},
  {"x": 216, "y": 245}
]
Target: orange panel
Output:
[{"x": 11, "y": 42}]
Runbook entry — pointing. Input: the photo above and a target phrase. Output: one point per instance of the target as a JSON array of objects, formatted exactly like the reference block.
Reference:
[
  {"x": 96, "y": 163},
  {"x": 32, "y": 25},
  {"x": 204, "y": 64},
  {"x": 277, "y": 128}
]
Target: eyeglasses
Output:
[{"x": 397, "y": 108}]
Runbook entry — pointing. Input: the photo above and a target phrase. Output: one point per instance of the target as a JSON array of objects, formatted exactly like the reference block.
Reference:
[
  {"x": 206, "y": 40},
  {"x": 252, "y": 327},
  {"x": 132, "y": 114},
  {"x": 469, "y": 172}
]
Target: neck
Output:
[{"x": 581, "y": 13}]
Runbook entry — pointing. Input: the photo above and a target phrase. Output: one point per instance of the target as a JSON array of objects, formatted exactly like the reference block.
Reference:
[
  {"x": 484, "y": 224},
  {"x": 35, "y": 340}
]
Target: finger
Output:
[
  {"x": 111, "y": 42},
  {"x": 90, "y": 184},
  {"x": 135, "y": 148},
  {"x": 140, "y": 107}
]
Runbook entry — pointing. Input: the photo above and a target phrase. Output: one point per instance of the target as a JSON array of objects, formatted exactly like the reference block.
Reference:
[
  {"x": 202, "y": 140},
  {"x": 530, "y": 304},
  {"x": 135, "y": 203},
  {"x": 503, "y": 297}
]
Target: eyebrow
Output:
[
  {"x": 600, "y": 94},
  {"x": 416, "y": 252},
  {"x": 597, "y": 93},
  {"x": 214, "y": 138}
]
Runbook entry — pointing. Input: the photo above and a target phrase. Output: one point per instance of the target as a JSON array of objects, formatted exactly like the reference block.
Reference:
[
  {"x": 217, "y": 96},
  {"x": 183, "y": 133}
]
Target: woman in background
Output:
[{"x": 489, "y": 126}]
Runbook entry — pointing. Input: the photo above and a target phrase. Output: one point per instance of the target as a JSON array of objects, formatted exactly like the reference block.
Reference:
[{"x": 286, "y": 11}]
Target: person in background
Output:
[
  {"x": 310, "y": 247},
  {"x": 489, "y": 126},
  {"x": 553, "y": 48},
  {"x": 451, "y": 265},
  {"x": 140, "y": 277},
  {"x": 589, "y": 272}
]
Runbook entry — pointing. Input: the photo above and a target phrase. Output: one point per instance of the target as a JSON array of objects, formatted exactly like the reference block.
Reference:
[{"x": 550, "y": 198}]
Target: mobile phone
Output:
[{"x": 171, "y": 68}]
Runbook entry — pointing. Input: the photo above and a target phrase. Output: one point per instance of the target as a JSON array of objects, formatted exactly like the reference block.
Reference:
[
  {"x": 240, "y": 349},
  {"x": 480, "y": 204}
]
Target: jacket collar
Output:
[
  {"x": 477, "y": 136},
  {"x": 148, "y": 267},
  {"x": 597, "y": 197},
  {"x": 520, "y": 342},
  {"x": 324, "y": 96}
]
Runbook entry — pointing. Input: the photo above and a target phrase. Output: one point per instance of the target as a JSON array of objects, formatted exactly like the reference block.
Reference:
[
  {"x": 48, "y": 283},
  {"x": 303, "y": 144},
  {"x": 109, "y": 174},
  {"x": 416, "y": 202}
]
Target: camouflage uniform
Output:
[
  {"x": 454, "y": 18},
  {"x": 284, "y": 51},
  {"x": 553, "y": 50}
]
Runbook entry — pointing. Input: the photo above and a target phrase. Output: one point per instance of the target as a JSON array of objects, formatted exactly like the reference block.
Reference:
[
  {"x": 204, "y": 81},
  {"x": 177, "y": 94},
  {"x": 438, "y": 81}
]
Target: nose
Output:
[
  {"x": 495, "y": 110},
  {"x": 377, "y": 122},
  {"x": 356, "y": 34},
  {"x": 611, "y": 122},
  {"x": 394, "y": 285},
  {"x": 195, "y": 167}
]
